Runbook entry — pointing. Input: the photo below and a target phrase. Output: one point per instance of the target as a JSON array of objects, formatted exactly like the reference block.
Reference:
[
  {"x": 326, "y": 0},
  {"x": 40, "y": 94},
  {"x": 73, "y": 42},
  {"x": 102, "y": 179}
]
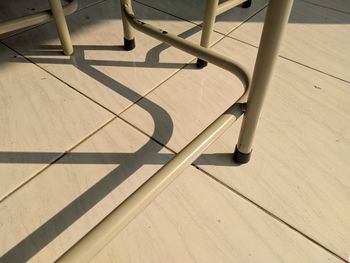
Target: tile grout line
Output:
[
  {"x": 200, "y": 24},
  {"x": 55, "y": 160},
  {"x": 326, "y": 7},
  {"x": 119, "y": 117},
  {"x": 241, "y": 195},
  {"x": 271, "y": 214},
  {"x": 247, "y": 43},
  {"x": 57, "y": 78},
  {"x": 116, "y": 115},
  {"x": 292, "y": 60},
  {"x": 35, "y": 26},
  {"x": 156, "y": 86}
]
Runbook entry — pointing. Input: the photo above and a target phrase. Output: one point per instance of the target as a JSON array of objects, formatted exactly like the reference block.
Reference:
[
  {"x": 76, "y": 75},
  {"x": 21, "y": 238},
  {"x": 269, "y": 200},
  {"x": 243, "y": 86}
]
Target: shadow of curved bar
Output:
[
  {"x": 106, "y": 230},
  {"x": 275, "y": 21},
  {"x": 201, "y": 52}
]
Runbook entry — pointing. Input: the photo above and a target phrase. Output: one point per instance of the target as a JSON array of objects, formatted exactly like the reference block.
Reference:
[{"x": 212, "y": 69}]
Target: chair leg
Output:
[
  {"x": 247, "y": 4},
  {"x": 129, "y": 39},
  {"x": 61, "y": 26},
  {"x": 208, "y": 26},
  {"x": 276, "y": 19}
]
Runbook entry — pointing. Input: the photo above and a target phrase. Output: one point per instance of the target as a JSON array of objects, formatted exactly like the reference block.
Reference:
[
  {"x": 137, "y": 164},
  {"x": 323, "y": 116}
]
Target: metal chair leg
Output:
[
  {"x": 208, "y": 27},
  {"x": 276, "y": 19},
  {"x": 62, "y": 28},
  {"x": 129, "y": 39}
]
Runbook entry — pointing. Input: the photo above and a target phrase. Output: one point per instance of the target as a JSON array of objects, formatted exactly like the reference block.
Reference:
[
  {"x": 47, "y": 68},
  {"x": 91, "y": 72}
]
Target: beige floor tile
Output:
[
  {"x": 18, "y": 8},
  {"x": 300, "y": 163},
  {"x": 38, "y": 114},
  {"x": 194, "y": 11},
  {"x": 197, "y": 220},
  {"x": 341, "y": 5},
  {"x": 317, "y": 37},
  {"x": 100, "y": 68},
  {"x": 54, "y": 210}
]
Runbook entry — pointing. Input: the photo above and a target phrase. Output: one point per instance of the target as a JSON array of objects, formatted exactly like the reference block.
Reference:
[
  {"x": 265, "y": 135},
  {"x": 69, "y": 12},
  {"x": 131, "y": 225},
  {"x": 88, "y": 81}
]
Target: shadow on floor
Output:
[{"x": 149, "y": 153}]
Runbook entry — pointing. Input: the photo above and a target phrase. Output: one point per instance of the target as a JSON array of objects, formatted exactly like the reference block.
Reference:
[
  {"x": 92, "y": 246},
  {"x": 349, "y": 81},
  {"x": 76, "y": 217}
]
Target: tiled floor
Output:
[{"x": 79, "y": 134}]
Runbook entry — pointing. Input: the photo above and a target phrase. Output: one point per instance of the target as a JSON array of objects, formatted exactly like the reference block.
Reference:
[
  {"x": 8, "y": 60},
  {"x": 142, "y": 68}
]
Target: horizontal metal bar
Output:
[
  {"x": 110, "y": 226},
  {"x": 227, "y": 5},
  {"x": 201, "y": 52},
  {"x": 34, "y": 19}
]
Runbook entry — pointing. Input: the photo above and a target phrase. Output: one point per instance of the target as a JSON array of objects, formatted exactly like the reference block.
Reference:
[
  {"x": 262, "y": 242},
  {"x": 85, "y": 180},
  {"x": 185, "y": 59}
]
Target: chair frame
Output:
[
  {"x": 249, "y": 105},
  {"x": 212, "y": 10}
]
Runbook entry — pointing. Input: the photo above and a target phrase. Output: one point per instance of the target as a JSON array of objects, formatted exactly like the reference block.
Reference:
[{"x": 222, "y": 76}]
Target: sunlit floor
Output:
[{"x": 79, "y": 134}]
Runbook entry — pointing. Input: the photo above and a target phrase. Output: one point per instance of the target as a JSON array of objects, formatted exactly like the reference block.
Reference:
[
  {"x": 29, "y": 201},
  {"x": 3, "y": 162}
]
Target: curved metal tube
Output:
[
  {"x": 104, "y": 232},
  {"x": 204, "y": 53},
  {"x": 34, "y": 19},
  {"x": 277, "y": 17}
]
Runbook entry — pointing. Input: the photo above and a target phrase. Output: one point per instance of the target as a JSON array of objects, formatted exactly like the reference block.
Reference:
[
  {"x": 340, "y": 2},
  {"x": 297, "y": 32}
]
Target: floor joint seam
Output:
[
  {"x": 283, "y": 222},
  {"x": 59, "y": 157},
  {"x": 243, "y": 22},
  {"x": 154, "y": 88},
  {"x": 117, "y": 116},
  {"x": 326, "y": 7},
  {"x": 36, "y": 26},
  {"x": 240, "y": 195},
  {"x": 200, "y": 24},
  {"x": 59, "y": 79},
  {"x": 292, "y": 60}
]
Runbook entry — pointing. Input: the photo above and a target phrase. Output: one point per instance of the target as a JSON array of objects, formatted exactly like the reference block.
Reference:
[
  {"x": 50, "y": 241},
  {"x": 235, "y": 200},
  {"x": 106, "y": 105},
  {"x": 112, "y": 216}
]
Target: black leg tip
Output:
[
  {"x": 247, "y": 4},
  {"x": 129, "y": 44},
  {"x": 201, "y": 63},
  {"x": 241, "y": 158}
]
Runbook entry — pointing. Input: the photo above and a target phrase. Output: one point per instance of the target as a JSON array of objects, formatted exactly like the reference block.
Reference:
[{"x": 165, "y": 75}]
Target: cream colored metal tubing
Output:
[
  {"x": 209, "y": 21},
  {"x": 227, "y": 5},
  {"x": 189, "y": 47},
  {"x": 35, "y": 19},
  {"x": 128, "y": 31},
  {"x": 107, "y": 229},
  {"x": 61, "y": 25},
  {"x": 104, "y": 232},
  {"x": 276, "y": 19}
]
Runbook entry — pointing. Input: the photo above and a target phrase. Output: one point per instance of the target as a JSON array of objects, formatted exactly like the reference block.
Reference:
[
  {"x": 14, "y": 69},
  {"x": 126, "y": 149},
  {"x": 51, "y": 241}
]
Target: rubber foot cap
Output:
[
  {"x": 240, "y": 157},
  {"x": 201, "y": 63},
  {"x": 129, "y": 44},
  {"x": 247, "y": 4}
]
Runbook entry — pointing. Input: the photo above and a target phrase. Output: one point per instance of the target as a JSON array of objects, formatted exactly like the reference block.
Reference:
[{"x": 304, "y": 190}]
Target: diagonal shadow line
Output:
[
  {"x": 43, "y": 235},
  {"x": 48, "y": 231},
  {"x": 152, "y": 59},
  {"x": 52, "y": 228},
  {"x": 222, "y": 159}
]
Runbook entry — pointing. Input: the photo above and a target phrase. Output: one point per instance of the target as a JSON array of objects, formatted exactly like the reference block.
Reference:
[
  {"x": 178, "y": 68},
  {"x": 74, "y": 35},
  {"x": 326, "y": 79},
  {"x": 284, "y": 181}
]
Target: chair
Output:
[{"x": 249, "y": 105}]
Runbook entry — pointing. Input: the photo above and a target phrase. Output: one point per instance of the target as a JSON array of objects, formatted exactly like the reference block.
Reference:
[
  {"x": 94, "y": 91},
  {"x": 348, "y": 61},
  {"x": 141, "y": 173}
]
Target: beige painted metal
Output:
[
  {"x": 106, "y": 230},
  {"x": 128, "y": 31},
  {"x": 209, "y": 21},
  {"x": 276, "y": 19},
  {"x": 227, "y": 5},
  {"x": 34, "y": 19},
  {"x": 57, "y": 13},
  {"x": 61, "y": 25},
  {"x": 211, "y": 56},
  {"x": 213, "y": 9}
]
